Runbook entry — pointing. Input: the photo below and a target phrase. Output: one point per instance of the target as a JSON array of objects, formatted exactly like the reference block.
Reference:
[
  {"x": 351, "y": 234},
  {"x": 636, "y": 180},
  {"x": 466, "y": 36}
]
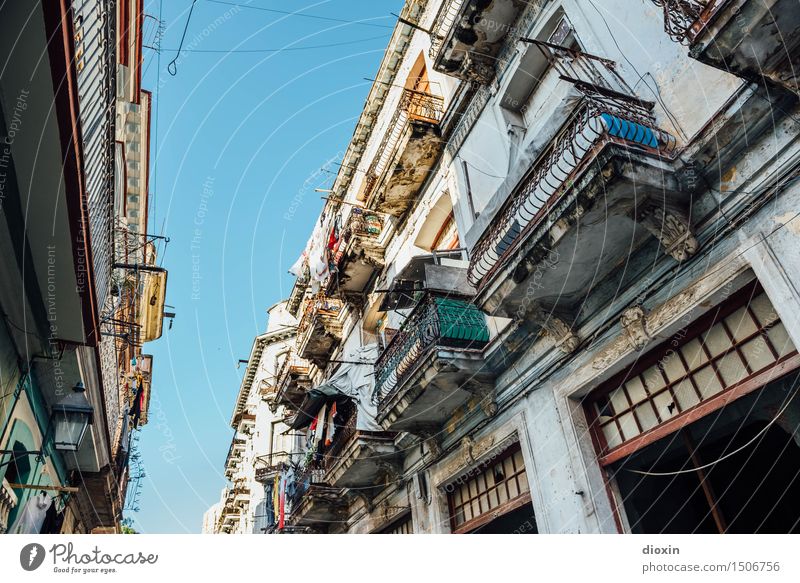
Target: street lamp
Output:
[{"x": 70, "y": 419}]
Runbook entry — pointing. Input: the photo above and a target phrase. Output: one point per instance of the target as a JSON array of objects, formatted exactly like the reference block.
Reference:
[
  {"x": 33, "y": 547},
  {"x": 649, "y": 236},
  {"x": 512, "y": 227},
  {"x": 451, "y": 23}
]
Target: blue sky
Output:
[{"x": 235, "y": 137}]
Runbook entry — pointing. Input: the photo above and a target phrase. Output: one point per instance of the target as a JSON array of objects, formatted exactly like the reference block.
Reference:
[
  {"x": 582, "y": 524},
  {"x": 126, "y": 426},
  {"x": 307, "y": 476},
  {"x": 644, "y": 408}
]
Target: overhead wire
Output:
[
  {"x": 172, "y": 68},
  {"x": 695, "y": 469},
  {"x": 302, "y": 14},
  {"x": 278, "y": 50}
]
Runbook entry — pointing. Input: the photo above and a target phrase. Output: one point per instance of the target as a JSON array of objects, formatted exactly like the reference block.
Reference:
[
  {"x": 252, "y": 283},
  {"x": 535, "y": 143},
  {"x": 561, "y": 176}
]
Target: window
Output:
[
  {"x": 533, "y": 68},
  {"x": 496, "y": 487},
  {"x": 402, "y": 525},
  {"x": 732, "y": 347}
]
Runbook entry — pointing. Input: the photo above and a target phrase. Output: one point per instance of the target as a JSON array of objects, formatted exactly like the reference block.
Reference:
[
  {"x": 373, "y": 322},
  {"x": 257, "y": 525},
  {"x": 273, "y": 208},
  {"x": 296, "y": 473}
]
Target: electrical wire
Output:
[
  {"x": 172, "y": 68},
  {"x": 656, "y": 93},
  {"x": 726, "y": 456},
  {"x": 303, "y": 14},
  {"x": 277, "y": 50},
  {"x": 479, "y": 170}
]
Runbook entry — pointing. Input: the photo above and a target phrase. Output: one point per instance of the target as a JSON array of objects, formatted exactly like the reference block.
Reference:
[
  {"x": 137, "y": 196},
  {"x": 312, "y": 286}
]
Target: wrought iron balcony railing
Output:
[
  {"x": 437, "y": 321},
  {"x": 680, "y": 17},
  {"x": 303, "y": 481},
  {"x": 444, "y": 21},
  {"x": 343, "y": 434},
  {"x": 267, "y": 466},
  {"x": 321, "y": 316},
  {"x": 291, "y": 365},
  {"x": 607, "y": 113},
  {"x": 362, "y": 225},
  {"x": 413, "y": 106}
]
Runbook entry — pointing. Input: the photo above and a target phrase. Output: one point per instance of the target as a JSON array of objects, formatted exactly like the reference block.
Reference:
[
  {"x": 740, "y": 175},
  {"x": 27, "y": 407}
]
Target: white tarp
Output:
[{"x": 357, "y": 381}]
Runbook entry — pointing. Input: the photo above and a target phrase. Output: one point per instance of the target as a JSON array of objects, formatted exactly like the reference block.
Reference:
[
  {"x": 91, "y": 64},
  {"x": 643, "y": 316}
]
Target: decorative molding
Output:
[
  {"x": 671, "y": 226},
  {"x": 634, "y": 324},
  {"x": 562, "y": 334}
]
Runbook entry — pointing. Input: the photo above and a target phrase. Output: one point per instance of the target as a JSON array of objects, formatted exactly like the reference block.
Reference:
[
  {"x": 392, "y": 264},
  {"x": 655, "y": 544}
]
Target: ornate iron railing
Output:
[
  {"x": 607, "y": 112},
  {"x": 267, "y": 466},
  {"x": 436, "y": 321},
  {"x": 304, "y": 479},
  {"x": 292, "y": 364},
  {"x": 680, "y": 16},
  {"x": 343, "y": 434},
  {"x": 413, "y": 106},
  {"x": 320, "y": 308},
  {"x": 361, "y": 224},
  {"x": 444, "y": 21}
]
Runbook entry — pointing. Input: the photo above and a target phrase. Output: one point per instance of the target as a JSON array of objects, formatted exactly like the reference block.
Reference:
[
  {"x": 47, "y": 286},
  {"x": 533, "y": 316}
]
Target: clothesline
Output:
[{"x": 70, "y": 489}]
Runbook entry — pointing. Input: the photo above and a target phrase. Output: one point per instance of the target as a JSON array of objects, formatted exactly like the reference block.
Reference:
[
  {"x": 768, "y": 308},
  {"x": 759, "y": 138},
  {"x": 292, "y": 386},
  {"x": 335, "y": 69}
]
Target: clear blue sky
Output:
[{"x": 234, "y": 139}]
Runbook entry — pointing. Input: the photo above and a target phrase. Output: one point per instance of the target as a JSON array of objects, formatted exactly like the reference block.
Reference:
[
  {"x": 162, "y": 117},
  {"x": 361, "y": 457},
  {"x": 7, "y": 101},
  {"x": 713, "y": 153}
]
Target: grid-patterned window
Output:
[
  {"x": 737, "y": 344},
  {"x": 402, "y": 525},
  {"x": 495, "y": 486}
]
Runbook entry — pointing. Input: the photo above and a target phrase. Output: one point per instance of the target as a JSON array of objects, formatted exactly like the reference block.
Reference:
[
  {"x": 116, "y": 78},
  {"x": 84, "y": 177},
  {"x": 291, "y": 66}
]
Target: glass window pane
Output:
[
  {"x": 628, "y": 424},
  {"x": 780, "y": 339},
  {"x": 619, "y": 401},
  {"x": 673, "y": 367},
  {"x": 757, "y": 353},
  {"x": 513, "y": 490},
  {"x": 502, "y": 494},
  {"x": 694, "y": 354},
  {"x": 665, "y": 405},
  {"x": 613, "y": 438},
  {"x": 716, "y": 340},
  {"x": 523, "y": 482},
  {"x": 731, "y": 368},
  {"x": 653, "y": 379},
  {"x": 707, "y": 382},
  {"x": 686, "y": 395},
  {"x": 636, "y": 390},
  {"x": 763, "y": 310},
  {"x": 741, "y": 324},
  {"x": 646, "y": 415}
]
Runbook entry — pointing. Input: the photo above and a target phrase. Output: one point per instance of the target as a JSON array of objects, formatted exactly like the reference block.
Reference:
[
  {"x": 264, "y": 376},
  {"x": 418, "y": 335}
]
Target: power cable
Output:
[
  {"x": 277, "y": 50},
  {"x": 172, "y": 68},
  {"x": 656, "y": 93},
  {"x": 304, "y": 15},
  {"x": 726, "y": 456}
]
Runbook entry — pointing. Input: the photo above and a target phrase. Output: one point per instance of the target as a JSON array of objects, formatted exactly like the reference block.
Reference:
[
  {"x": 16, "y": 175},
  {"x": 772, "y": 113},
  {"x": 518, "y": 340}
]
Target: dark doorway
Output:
[
  {"x": 519, "y": 521},
  {"x": 752, "y": 491}
]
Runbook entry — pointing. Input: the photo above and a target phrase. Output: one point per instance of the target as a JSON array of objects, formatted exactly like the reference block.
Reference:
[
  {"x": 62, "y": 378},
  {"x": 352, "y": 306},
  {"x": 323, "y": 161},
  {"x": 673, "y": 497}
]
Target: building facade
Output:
[
  {"x": 262, "y": 444},
  {"x": 80, "y": 291},
  {"x": 555, "y": 288}
]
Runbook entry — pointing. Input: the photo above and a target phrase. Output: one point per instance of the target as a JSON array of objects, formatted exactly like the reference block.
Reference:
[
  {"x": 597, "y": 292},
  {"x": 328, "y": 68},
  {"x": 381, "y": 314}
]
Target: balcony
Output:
[
  {"x": 314, "y": 503},
  {"x": 8, "y": 501},
  {"x": 410, "y": 147},
  {"x": 358, "y": 458},
  {"x": 361, "y": 249},
  {"x": 270, "y": 465},
  {"x": 433, "y": 365},
  {"x": 467, "y": 37},
  {"x": 750, "y": 38},
  {"x": 234, "y": 454},
  {"x": 603, "y": 184},
  {"x": 292, "y": 381},
  {"x": 320, "y": 329}
]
